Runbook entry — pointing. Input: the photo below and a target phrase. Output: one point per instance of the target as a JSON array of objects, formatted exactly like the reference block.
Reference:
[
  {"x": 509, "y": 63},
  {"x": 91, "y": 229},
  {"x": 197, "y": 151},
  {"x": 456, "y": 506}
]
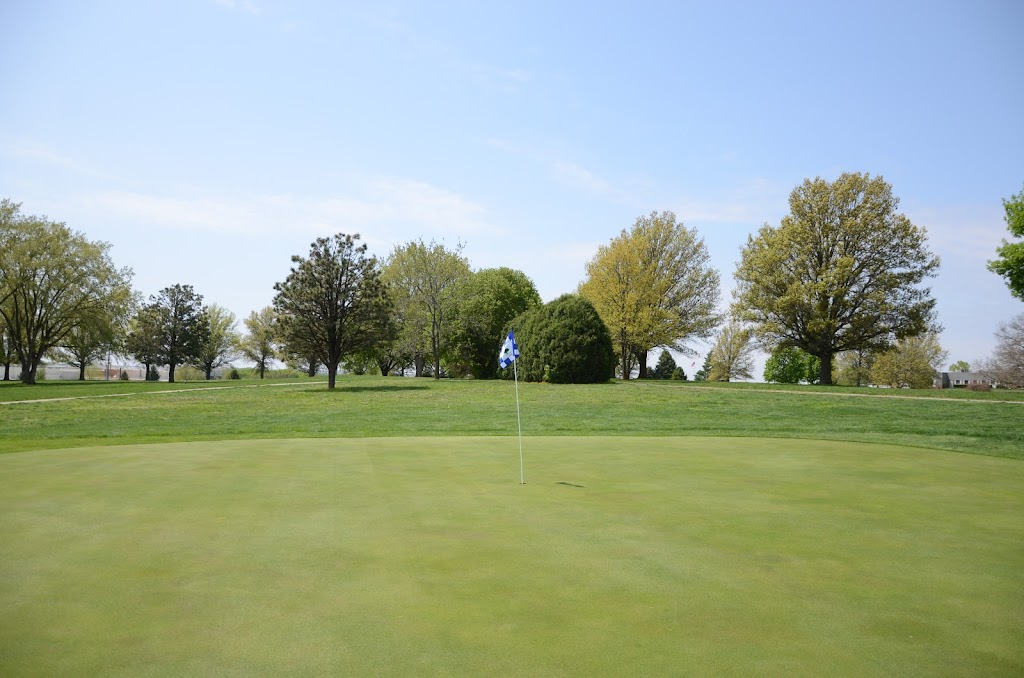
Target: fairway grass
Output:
[{"x": 621, "y": 556}]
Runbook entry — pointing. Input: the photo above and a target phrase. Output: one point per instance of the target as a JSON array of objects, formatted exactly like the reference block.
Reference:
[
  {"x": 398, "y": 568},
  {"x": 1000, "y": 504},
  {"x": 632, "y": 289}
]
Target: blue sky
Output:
[{"x": 210, "y": 140}]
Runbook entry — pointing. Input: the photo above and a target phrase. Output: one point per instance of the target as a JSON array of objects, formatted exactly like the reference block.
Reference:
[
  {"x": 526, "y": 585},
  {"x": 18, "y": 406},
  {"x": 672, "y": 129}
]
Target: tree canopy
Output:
[
  {"x": 489, "y": 301},
  {"x": 333, "y": 302},
  {"x": 258, "y": 344},
  {"x": 788, "y": 365},
  {"x": 841, "y": 272},
  {"x": 219, "y": 346},
  {"x": 653, "y": 286},
  {"x": 180, "y": 326},
  {"x": 732, "y": 356},
  {"x": 52, "y": 281},
  {"x": 1010, "y": 263},
  {"x": 912, "y": 363},
  {"x": 425, "y": 279}
]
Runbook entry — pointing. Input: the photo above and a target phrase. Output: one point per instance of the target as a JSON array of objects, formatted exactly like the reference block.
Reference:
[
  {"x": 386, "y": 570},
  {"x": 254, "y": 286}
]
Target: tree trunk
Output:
[
  {"x": 825, "y": 373},
  {"x": 28, "y": 376},
  {"x": 263, "y": 368},
  {"x": 418, "y": 362},
  {"x": 311, "y": 372},
  {"x": 7, "y": 371},
  {"x": 641, "y": 357},
  {"x": 332, "y": 374},
  {"x": 209, "y": 373},
  {"x": 81, "y": 371},
  {"x": 170, "y": 374}
]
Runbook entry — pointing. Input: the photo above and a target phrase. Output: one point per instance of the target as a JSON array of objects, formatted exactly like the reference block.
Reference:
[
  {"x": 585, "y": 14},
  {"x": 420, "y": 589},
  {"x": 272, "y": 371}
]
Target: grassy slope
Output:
[
  {"x": 369, "y": 406},
  {"x": 621, "y": 556}
]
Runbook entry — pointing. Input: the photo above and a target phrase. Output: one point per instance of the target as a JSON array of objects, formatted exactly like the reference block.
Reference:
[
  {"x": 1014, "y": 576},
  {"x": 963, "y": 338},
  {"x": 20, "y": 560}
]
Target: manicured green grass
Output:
[
  {"x": 374, "y": 406},
  {"x": 424, "y": 556}
]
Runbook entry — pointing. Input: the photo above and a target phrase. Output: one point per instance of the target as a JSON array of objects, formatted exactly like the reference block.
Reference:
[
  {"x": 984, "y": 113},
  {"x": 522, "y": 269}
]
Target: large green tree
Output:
[
  {"x": 843, "y": 271},
  {"x": 258, "y": 343},
  {"x": 489, "y": 301},
  {"x": 563, "y": 342},
  {"x": 52, "y": 280},
  {"x": 219, "y": 345},
  {"x": 144, "y": 338},
  {"x": 653, "y": 286},
  {"x": 427, "y": 278},
  {"x": 333, "y": 302},
  {"x": 788, "y": 365},
  {"x": 1010, "y": 263},
  {"x": 180, "y": 325},
  {"x": 98, "y": 334}
]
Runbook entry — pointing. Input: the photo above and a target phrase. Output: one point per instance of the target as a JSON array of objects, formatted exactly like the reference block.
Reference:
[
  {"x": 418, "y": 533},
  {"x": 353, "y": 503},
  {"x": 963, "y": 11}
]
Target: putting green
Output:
[{"x": 425, "y": 556}]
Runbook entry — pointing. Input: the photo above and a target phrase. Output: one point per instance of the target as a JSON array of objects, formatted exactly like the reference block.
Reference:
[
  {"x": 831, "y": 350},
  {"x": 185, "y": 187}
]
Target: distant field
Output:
[
  {"x": 425, "y": 556},
  {"x": 375, "y": 406}
]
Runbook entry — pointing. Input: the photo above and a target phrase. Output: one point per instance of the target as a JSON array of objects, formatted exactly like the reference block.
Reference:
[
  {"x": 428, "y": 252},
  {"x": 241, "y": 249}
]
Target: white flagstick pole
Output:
[{"x": 519, "y": 422}]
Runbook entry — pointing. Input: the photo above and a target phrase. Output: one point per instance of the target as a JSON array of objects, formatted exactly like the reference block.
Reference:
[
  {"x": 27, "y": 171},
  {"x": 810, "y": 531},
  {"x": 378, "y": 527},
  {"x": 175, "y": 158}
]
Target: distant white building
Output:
[{"x": 963, "y": 380}]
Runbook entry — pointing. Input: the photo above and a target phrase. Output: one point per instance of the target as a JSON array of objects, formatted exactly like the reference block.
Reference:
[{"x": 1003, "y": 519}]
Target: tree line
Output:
[{"x": 836, "y": 290}]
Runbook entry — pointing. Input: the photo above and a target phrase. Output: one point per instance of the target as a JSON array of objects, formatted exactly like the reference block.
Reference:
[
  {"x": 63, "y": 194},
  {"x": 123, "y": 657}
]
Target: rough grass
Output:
[
  {"x": 374, "y": 406},
  {"x": 424, "y": 556}
]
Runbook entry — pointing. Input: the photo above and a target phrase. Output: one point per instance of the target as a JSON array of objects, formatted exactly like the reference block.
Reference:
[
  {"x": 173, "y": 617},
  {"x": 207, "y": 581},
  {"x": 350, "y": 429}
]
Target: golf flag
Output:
[{"x": 509, "y": 351}]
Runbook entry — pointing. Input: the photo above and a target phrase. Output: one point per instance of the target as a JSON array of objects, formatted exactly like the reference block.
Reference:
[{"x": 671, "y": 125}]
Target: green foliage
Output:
[
  {"x": 56, "y": 288},
  {"x": 842, "y": 272},
  {"x": 333, "y": 304},
  {"x": 1010, "y": 263},
  {"x": 258, "y": 344},
  {"x": 666, "y": 366},
  {"x": 960, "y": 366},
  {"x": 180, "y": 324},
  {"x": 425, "y": 281},
  {"x": 732, "y": 356},
  {"x": 912, "y": 363},
  {"x": 788, "y": 365},
  {"x": 152, "y": 374},
  {"x": 678, "y": 374},
  {"x": 563, "y": 342},
  {"x": 219, "y": 345},
  {"x": 705, "y": 371},
  {"x": 233, "y": 374},
  {"x": 490, "y": 300},
  {"x": 653, "y": 286},
  {"x": 853, "y": 368}
]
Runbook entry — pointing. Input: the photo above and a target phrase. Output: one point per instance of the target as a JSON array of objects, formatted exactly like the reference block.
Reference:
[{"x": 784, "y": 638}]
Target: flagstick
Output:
[{"x": 519, "y": 421}]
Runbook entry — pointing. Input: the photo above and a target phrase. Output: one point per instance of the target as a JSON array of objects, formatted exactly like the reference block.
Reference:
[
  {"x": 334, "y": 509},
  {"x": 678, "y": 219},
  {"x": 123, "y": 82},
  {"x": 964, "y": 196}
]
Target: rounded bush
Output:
[{"x": 564, "y": 342}]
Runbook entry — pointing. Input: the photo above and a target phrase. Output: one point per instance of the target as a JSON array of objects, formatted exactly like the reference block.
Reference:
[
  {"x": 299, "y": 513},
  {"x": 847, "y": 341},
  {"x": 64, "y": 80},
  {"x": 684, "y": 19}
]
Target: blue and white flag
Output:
[{"x": 509, "y": 351}]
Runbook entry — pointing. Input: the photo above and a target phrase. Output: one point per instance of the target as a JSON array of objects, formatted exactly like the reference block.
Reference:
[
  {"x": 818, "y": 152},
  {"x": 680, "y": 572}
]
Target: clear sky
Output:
[{"x": 210, "y": 140}]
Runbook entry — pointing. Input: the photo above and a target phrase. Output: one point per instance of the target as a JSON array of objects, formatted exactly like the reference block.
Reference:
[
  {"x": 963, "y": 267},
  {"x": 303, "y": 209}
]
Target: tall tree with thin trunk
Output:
[
  {"x": 333, "y": 301},
  {"x": 653, "y": 286},
  {"x": 842, "y": 272},
  {"x": 732, "y": 356},
  {"x": 258, "y": 344},
  {"x": 218, "y": 347}
]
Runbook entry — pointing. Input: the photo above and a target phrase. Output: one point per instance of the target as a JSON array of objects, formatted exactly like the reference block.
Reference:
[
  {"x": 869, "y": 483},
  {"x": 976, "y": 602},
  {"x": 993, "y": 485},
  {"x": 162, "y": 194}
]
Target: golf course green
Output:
[{"x": 621, "y": 556}]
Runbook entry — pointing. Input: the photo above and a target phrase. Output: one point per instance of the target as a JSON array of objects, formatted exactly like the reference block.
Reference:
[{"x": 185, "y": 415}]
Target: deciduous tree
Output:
[
  {"x": 52, "y": 280},
  {"x": 219, "y": 346},
  {"x": 842, "y": 272},
  {"x": 489, "y": 301},
  {"x": 732, "y": 356},
  {"x": 912, "y": 363},
  {"x": 333, "y": 302},
  {"x": 180, "y": 325},
  {"x": 960, "y": 366},
  {"x": 427, "y": 278},
  {"x": 1010, "y": 263},
  {"x": 788, "y": 365},
  {"x": 258, "y": 344},
  {"x": 653, "y": 286},
  {"x": 1006, "y": 366},
  {"x": 853, "y": 368}
]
